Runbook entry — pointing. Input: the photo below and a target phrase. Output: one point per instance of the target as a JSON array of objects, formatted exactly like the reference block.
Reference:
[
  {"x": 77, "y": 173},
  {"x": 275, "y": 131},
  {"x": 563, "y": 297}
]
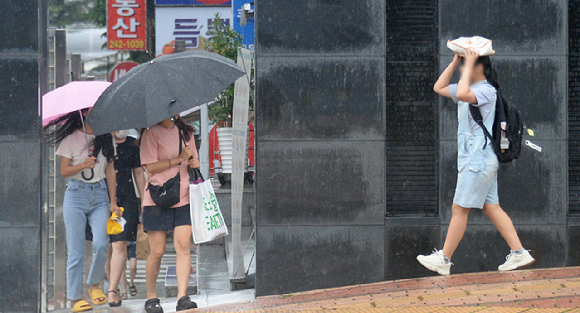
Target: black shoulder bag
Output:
[{"x": 169, "y": 194}]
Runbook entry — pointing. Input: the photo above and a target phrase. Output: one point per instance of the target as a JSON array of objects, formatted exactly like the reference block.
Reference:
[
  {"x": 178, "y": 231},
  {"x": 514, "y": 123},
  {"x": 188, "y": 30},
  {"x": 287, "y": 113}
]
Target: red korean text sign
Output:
[
  {"x": 127, "y": 24},
  {"x": 121, "y": 70}
]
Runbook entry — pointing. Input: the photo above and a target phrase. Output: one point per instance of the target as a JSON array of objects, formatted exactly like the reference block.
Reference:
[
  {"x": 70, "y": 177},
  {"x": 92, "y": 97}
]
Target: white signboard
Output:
[
  {"x": 239, "y": 144},
  {"x": 189, "y": 24}
]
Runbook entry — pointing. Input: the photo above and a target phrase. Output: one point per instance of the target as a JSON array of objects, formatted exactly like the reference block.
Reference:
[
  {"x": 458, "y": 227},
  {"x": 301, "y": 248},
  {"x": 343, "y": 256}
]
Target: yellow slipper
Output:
[
  {"x": 97, "y": 296},
  {"x": 82, "y": 306}
]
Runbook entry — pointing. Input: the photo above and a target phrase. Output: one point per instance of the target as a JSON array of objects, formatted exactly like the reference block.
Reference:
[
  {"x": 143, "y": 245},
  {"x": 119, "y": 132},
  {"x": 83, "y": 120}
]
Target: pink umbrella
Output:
[
  {"x": 74, "y": 96},
  {"x": 71, "y": 97}
]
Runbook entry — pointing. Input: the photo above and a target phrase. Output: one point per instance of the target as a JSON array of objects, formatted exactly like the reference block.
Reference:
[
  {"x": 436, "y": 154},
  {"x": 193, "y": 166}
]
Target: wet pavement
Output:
[
  {"x": 542, "y": 290},
  {"x": 168, "y": 304}
]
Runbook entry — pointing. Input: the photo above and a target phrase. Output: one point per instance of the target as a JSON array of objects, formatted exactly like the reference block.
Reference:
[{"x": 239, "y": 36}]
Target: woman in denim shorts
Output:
[
  {"x": 477, "y": 162},
  {"x": 88, "y": 197}
]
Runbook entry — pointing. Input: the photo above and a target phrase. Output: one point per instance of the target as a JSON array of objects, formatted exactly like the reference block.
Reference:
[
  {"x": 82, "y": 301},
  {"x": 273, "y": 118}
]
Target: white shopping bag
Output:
[
  {"x": 207, "y": 220},
  {"x": 479, "y": 44}
]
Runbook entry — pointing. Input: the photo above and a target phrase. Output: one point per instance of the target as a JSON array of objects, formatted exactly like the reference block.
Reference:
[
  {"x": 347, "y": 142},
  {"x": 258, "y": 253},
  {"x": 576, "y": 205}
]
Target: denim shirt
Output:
[{"x": 470, "y": 138}]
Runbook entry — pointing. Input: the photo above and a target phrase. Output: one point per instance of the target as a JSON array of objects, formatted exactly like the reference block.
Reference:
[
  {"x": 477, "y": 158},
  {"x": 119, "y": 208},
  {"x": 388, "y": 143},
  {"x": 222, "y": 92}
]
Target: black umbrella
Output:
[{"x": 162, "y": 88}]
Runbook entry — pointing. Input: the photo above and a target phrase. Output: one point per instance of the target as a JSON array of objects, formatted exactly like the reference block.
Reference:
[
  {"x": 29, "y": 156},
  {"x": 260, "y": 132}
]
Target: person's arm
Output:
[
  {"x": 163, "y": 165},
  {"x": 139, "y": 175},
  {"x": 68, "y": 170},
  {"x": 442, "y": 85},
  {"x": 464, "y": 92},
  {"x": 112, "y": 187}
]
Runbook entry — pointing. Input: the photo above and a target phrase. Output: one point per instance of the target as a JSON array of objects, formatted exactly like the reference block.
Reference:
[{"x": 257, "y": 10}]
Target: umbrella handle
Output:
[
  {"x": 195, "y": 176},
  {"x": 88, "y": 178}
]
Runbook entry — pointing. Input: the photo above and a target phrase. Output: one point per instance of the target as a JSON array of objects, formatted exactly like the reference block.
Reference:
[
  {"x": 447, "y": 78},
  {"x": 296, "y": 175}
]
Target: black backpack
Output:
[{"x": 506, "y": 112}]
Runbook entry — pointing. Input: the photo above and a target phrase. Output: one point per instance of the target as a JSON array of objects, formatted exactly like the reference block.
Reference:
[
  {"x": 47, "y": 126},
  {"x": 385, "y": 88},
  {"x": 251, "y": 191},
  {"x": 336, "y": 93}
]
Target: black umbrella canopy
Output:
[{"x": 162, "y": 88}]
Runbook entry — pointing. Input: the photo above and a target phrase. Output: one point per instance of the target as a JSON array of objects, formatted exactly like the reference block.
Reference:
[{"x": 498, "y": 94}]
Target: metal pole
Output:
[{"x": 204, "y": 149}]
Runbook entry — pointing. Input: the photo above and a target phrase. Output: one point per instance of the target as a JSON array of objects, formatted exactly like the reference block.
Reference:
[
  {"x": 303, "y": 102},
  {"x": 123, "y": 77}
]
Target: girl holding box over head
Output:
[{"x": 477, "y": 162}]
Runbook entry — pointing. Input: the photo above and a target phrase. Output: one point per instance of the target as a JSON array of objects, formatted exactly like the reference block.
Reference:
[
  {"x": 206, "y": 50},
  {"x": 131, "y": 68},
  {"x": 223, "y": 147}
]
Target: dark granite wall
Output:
[
  {"x": 320, "y": 143},
  {"x": 574, "y": 131},
  {"x": 349, "y": 131},
  {"x": 20, "y": 207},
  {"x": 574, "y": 104},
  {"x": 411, "y": 112}
]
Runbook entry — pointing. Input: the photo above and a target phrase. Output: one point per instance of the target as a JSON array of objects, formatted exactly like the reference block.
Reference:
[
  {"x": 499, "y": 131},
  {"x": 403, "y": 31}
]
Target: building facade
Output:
[
  {"x": 356, "y": 155},
  {"x": 23, "y": 78}
]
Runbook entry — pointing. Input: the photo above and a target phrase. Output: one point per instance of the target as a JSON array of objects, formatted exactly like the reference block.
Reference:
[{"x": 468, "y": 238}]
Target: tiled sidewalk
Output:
[{"x": 545, "y": 290}]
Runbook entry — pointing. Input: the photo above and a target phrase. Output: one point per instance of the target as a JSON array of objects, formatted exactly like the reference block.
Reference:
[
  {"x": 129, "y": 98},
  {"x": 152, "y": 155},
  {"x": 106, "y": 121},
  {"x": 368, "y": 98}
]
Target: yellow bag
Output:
[{"x": 115, "y": 224}]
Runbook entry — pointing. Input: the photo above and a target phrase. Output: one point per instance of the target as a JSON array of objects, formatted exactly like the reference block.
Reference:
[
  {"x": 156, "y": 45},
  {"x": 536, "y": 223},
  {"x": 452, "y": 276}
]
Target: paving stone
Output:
[{"x": 546, "y": 290}]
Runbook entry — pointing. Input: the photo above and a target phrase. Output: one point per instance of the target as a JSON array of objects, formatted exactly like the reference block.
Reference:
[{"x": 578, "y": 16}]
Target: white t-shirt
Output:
[{"x": 74, "y": 147}]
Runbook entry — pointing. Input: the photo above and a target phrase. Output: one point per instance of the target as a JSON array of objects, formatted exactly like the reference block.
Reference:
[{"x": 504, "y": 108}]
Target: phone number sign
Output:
[{"x": 127, "y": 24}]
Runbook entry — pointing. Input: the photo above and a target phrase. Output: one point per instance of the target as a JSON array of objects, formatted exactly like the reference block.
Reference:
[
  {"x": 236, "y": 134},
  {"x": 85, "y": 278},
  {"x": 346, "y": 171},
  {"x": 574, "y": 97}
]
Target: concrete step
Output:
[
  {"x": 168, "y": 260},
  {"x": 212, "y": 269}
]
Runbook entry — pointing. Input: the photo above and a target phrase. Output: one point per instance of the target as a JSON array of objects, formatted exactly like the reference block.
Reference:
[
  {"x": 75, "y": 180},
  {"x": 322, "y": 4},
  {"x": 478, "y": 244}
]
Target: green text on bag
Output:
[{"x": 215, "y": 221}]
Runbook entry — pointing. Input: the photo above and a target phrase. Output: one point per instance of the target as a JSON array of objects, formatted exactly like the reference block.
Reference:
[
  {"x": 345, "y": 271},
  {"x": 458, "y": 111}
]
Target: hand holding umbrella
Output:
[{"x": 74, "y": 96}]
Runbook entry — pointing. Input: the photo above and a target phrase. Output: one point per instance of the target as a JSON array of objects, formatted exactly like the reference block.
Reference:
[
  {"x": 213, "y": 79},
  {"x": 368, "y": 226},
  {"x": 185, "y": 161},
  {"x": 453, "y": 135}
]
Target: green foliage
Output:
[
  {"x": 98, "y": 13},
  {"x": 225, "y": 41},
  {"x": 220, "y": 112},
  {"x": 62, "y": 13},
  {"x": 138, "y": 56}
]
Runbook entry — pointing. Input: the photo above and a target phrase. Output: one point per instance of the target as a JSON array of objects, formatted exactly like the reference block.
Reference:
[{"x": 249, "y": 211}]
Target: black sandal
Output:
[
  {"x": 133, "y": 290},
  {"x": 185, "y": 303},
  {"x": 153, "y": 306},
  {"x": 115, "y": 304}
]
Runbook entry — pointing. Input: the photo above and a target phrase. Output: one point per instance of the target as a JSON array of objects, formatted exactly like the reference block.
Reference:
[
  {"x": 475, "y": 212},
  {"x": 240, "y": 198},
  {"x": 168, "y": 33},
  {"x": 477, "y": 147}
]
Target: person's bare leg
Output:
[
  {"x": 124, "y": 278},
  {"x": 504, "y": 225},
  {"x": 108, "y": 264},
  {"x": 133, "y": 271},
  {"x": 182, "y": 241},
  {"x": 118, "y": 261},
  {"x": 457, "y": 227},
  {"x": 157, "y": 249}
]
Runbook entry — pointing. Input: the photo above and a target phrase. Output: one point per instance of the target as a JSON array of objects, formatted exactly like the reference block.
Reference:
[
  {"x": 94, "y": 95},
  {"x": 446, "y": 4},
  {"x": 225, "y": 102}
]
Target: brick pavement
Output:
[{"x": 533, "y": 291}]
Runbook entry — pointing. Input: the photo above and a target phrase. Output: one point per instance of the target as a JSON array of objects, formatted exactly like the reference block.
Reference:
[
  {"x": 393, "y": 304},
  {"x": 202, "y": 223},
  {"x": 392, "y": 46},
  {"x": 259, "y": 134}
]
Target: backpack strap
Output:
[{"x": 476, "y": 114}]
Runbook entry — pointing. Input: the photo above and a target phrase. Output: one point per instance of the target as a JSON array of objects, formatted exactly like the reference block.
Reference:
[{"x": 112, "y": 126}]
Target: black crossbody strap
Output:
[{"x": 476, "y": 114}]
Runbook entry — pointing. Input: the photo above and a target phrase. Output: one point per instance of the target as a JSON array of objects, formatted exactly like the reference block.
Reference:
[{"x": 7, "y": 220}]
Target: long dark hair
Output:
[
  {"x": 64, "y": 126},
  {"x": 104, "y": 143},
  {"x": 488, "y": 70},
  {"x": 186, "y": 129},
  {"x": 71, "y": 122}
]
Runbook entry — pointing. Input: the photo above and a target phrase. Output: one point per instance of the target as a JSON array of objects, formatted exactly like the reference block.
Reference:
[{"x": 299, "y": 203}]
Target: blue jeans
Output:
[{"x": 82, "y": 202}]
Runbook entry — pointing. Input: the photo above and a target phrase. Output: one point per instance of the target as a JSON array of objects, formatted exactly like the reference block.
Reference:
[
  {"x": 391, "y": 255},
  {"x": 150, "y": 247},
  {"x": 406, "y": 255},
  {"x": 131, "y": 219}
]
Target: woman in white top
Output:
[{"x": 90, "y": 196}]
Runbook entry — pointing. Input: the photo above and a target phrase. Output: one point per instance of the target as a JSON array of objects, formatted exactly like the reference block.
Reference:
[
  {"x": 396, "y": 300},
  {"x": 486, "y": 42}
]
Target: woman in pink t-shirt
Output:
[{"x": 162, "y": 161}]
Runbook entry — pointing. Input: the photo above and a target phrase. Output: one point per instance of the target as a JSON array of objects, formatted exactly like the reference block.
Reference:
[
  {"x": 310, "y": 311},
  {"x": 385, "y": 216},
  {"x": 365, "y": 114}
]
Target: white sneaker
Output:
[
  {"x": 435, "y": 262},
  {"x": 514, "y": 261}
]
